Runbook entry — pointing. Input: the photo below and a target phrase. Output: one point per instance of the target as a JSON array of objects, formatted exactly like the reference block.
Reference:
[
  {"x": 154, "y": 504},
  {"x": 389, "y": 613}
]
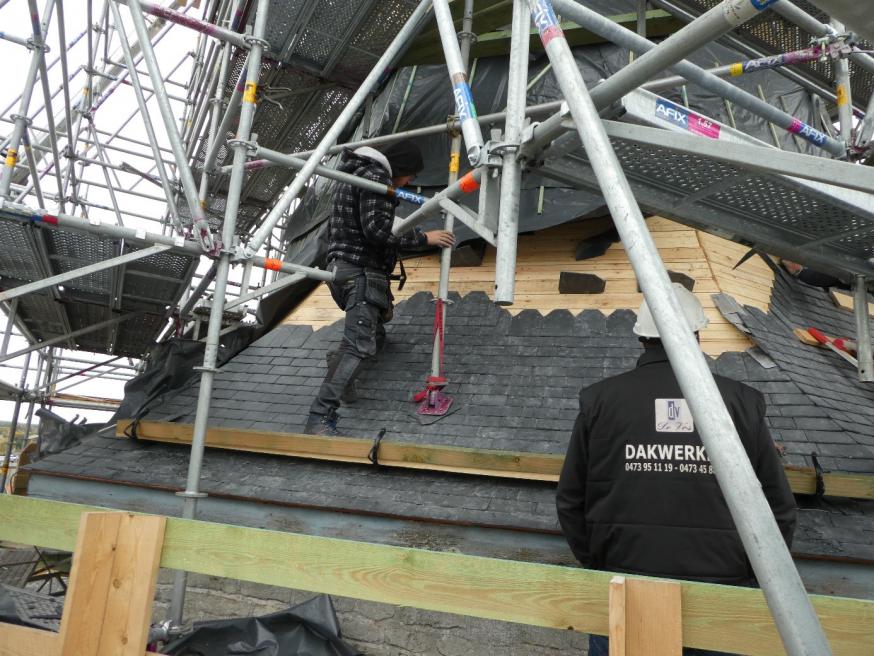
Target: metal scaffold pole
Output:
[
  {"x": 210, "y": 357},
  {"x": 793, "y": 613},
  {"x": 863, "y": 330},
  {"x": 463, "y": 108},
  {"x": 11, "y": 313},
  {"x": 4, "y": 467},
  {"x": 216, "y": 101},
  {"x": 10, "y": 212},
  {"x": 805, "y": 21},
  {"x": 406, "y": 33},
  {"x": 456, "y": 62},
  {"x": 39, "y": 38},
  {"x": 669, "y": 53},
  {"x": 511, "y": 174},
  {"x": 201, "y": 225},
  {"x": 843, "y": 92},
  {"x": 169, "y": 193},
  {"x": 21, "y": 120}
]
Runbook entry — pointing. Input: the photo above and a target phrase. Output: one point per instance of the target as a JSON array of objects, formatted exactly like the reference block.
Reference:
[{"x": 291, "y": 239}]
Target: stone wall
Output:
[{"x": 375, "y": 629}]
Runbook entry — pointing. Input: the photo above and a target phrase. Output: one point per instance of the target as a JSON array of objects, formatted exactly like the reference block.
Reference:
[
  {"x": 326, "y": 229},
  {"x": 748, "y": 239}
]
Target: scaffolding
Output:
[{"x": 275, "y": 87}]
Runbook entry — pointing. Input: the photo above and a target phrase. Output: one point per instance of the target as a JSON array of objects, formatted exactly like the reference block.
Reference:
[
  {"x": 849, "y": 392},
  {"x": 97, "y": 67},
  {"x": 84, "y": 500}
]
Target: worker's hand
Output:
[
  {"x": 441, "y": 238},
  {"x": 792, "y": 267}
]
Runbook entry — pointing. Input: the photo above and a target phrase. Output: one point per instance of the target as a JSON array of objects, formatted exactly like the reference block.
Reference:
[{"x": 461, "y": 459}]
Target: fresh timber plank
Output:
[
  {"x": 616, "y": 616},
  {"x": 483, "y": 462},
  {"x": 715, "y": 617},
  {"x": 507, "y": 464},
  {"x": 844, "y": 300},
  {"x": 134, "y": 578},
  {"x": 653, "y": 618},
  {"x": 854, "y": 486},
  {"x": 90, "y": 579},
  {"x": 112, "y": 585},
  {"x": 25, "y": 641}
]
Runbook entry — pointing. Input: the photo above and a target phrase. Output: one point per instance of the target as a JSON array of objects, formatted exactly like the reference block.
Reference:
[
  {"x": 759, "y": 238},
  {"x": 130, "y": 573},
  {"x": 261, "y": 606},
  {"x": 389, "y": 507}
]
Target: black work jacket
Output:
[
  {"x": 637, "y": 493},
  {"x": 360, "y": 228}
]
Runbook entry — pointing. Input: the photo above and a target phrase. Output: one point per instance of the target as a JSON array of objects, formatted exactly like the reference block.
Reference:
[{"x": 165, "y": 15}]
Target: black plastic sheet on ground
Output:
[{"x": 308, "y": 629}]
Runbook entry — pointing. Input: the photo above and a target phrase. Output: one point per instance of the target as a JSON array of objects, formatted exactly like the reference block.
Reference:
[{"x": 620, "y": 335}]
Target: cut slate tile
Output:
[{"x": 573, "y": 282}]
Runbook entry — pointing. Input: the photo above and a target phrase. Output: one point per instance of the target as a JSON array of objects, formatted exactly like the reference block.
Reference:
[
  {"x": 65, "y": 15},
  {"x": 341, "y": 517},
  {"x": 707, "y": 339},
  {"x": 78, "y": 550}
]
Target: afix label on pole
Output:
[
  {"x": 683, "y": 118},
  {"x": 545, "y": 21},
  {"x": 463, "y": 102},
  {"x": 807, "y": 132},
  {"x": 409, "y": 196},
  {"x": 11, "y": 157}
]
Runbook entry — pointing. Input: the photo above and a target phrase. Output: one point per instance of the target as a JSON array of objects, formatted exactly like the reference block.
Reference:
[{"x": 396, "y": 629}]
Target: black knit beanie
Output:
[{"x": 404, "y": 157}]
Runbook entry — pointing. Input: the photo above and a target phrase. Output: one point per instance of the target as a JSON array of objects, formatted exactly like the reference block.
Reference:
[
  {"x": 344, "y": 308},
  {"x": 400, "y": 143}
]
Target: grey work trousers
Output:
[{"x": 364, "y": 295}]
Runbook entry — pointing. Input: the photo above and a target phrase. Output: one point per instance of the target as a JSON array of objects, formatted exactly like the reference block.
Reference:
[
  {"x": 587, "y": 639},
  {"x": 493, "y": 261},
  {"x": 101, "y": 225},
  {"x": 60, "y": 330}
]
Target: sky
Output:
[{"x": 177, "y": 47}]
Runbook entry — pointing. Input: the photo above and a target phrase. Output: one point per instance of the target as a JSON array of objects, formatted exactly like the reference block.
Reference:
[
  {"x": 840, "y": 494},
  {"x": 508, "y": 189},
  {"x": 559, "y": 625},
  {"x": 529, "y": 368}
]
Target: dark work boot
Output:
[
  {"x": 350, "y": 392},
  {"x": 321, "y": 424}
]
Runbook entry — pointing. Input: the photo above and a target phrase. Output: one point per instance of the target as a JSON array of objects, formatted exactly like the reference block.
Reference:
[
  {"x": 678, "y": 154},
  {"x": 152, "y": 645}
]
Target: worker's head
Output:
[
  {"x": 405, "y": 160},
  {"x": 646, "y": 329}
]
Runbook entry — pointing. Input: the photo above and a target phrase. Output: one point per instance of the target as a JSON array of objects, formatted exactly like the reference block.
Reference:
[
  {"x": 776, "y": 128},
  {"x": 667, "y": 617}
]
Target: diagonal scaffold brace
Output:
[{"x": 796, "y": 620}]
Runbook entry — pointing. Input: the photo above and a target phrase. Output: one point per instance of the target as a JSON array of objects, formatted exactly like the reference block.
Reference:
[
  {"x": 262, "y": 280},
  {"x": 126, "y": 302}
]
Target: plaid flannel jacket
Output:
[{"x": 361, "y": 221}]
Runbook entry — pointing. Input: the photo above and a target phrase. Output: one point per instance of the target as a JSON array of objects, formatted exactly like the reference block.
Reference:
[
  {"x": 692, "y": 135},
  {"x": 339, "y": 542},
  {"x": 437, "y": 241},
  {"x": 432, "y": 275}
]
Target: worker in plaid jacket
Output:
[{"x": 363, "y": 253}]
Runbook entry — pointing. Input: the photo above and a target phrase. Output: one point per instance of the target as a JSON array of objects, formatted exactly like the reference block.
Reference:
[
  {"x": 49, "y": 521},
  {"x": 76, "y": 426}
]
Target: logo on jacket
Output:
[{"x": 673, "y": 416}]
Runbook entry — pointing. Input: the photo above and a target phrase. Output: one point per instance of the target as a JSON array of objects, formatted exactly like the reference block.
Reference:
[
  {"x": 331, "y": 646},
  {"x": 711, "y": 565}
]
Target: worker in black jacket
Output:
[
  {"x": 637, "y": 492},
  {"x": 362, "y": 254}
]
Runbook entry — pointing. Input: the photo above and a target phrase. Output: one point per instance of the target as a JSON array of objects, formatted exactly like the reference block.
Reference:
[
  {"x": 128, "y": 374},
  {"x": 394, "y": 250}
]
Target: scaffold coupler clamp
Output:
[
  {"x": 187, "y": 494},
  {"x": 836, "y": 45},
  {"x": 241, "y": 253},
  {"x": 164, "y": 632},
  {"x": 31, "y": 44},
  {"x": 494, "y": 152}
]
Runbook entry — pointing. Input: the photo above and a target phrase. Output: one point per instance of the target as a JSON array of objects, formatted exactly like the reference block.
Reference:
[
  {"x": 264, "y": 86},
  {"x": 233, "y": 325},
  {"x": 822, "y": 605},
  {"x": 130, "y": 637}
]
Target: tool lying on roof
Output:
[
  {"x": 432, "y": 400},
  {"x": 832, "y": 344},
  {"x": 848, "y": 345}
]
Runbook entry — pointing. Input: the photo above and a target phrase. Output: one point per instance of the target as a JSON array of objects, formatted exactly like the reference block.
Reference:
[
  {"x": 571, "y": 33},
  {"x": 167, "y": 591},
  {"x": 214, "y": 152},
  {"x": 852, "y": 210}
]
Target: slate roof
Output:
[
  {"x": 515, "y": 380},
  {"x": 825, "y": 409}
]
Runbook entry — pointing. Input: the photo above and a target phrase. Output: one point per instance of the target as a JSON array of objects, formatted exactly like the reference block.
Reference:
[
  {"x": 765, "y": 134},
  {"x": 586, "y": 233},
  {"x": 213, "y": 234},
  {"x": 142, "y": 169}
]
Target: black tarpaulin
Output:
[
  {"x": 308, "y": 629},
  {"x": 543, "y": 202},
  {"x": 171, "y": 365}
]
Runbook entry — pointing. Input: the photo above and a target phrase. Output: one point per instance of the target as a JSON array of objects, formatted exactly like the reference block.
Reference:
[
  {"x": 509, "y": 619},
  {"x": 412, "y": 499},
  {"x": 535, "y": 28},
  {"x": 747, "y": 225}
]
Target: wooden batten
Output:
[
  {"x": 543, "y": 256},
  {"x": 844, "y": 300},
  {"x": 406, "y": 455}
]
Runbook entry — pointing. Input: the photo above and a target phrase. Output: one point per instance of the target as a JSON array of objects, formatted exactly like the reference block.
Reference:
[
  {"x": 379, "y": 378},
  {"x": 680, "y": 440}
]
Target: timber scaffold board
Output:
[
  {"x": 481, "y": 462},
  {"x": 715, "y": 617}
]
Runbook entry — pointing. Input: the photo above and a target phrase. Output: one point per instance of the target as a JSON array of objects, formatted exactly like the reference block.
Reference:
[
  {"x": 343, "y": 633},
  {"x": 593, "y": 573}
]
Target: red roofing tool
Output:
[
  {"x": 432, "y": 400},
  {"x": 832, "y": 344}
]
